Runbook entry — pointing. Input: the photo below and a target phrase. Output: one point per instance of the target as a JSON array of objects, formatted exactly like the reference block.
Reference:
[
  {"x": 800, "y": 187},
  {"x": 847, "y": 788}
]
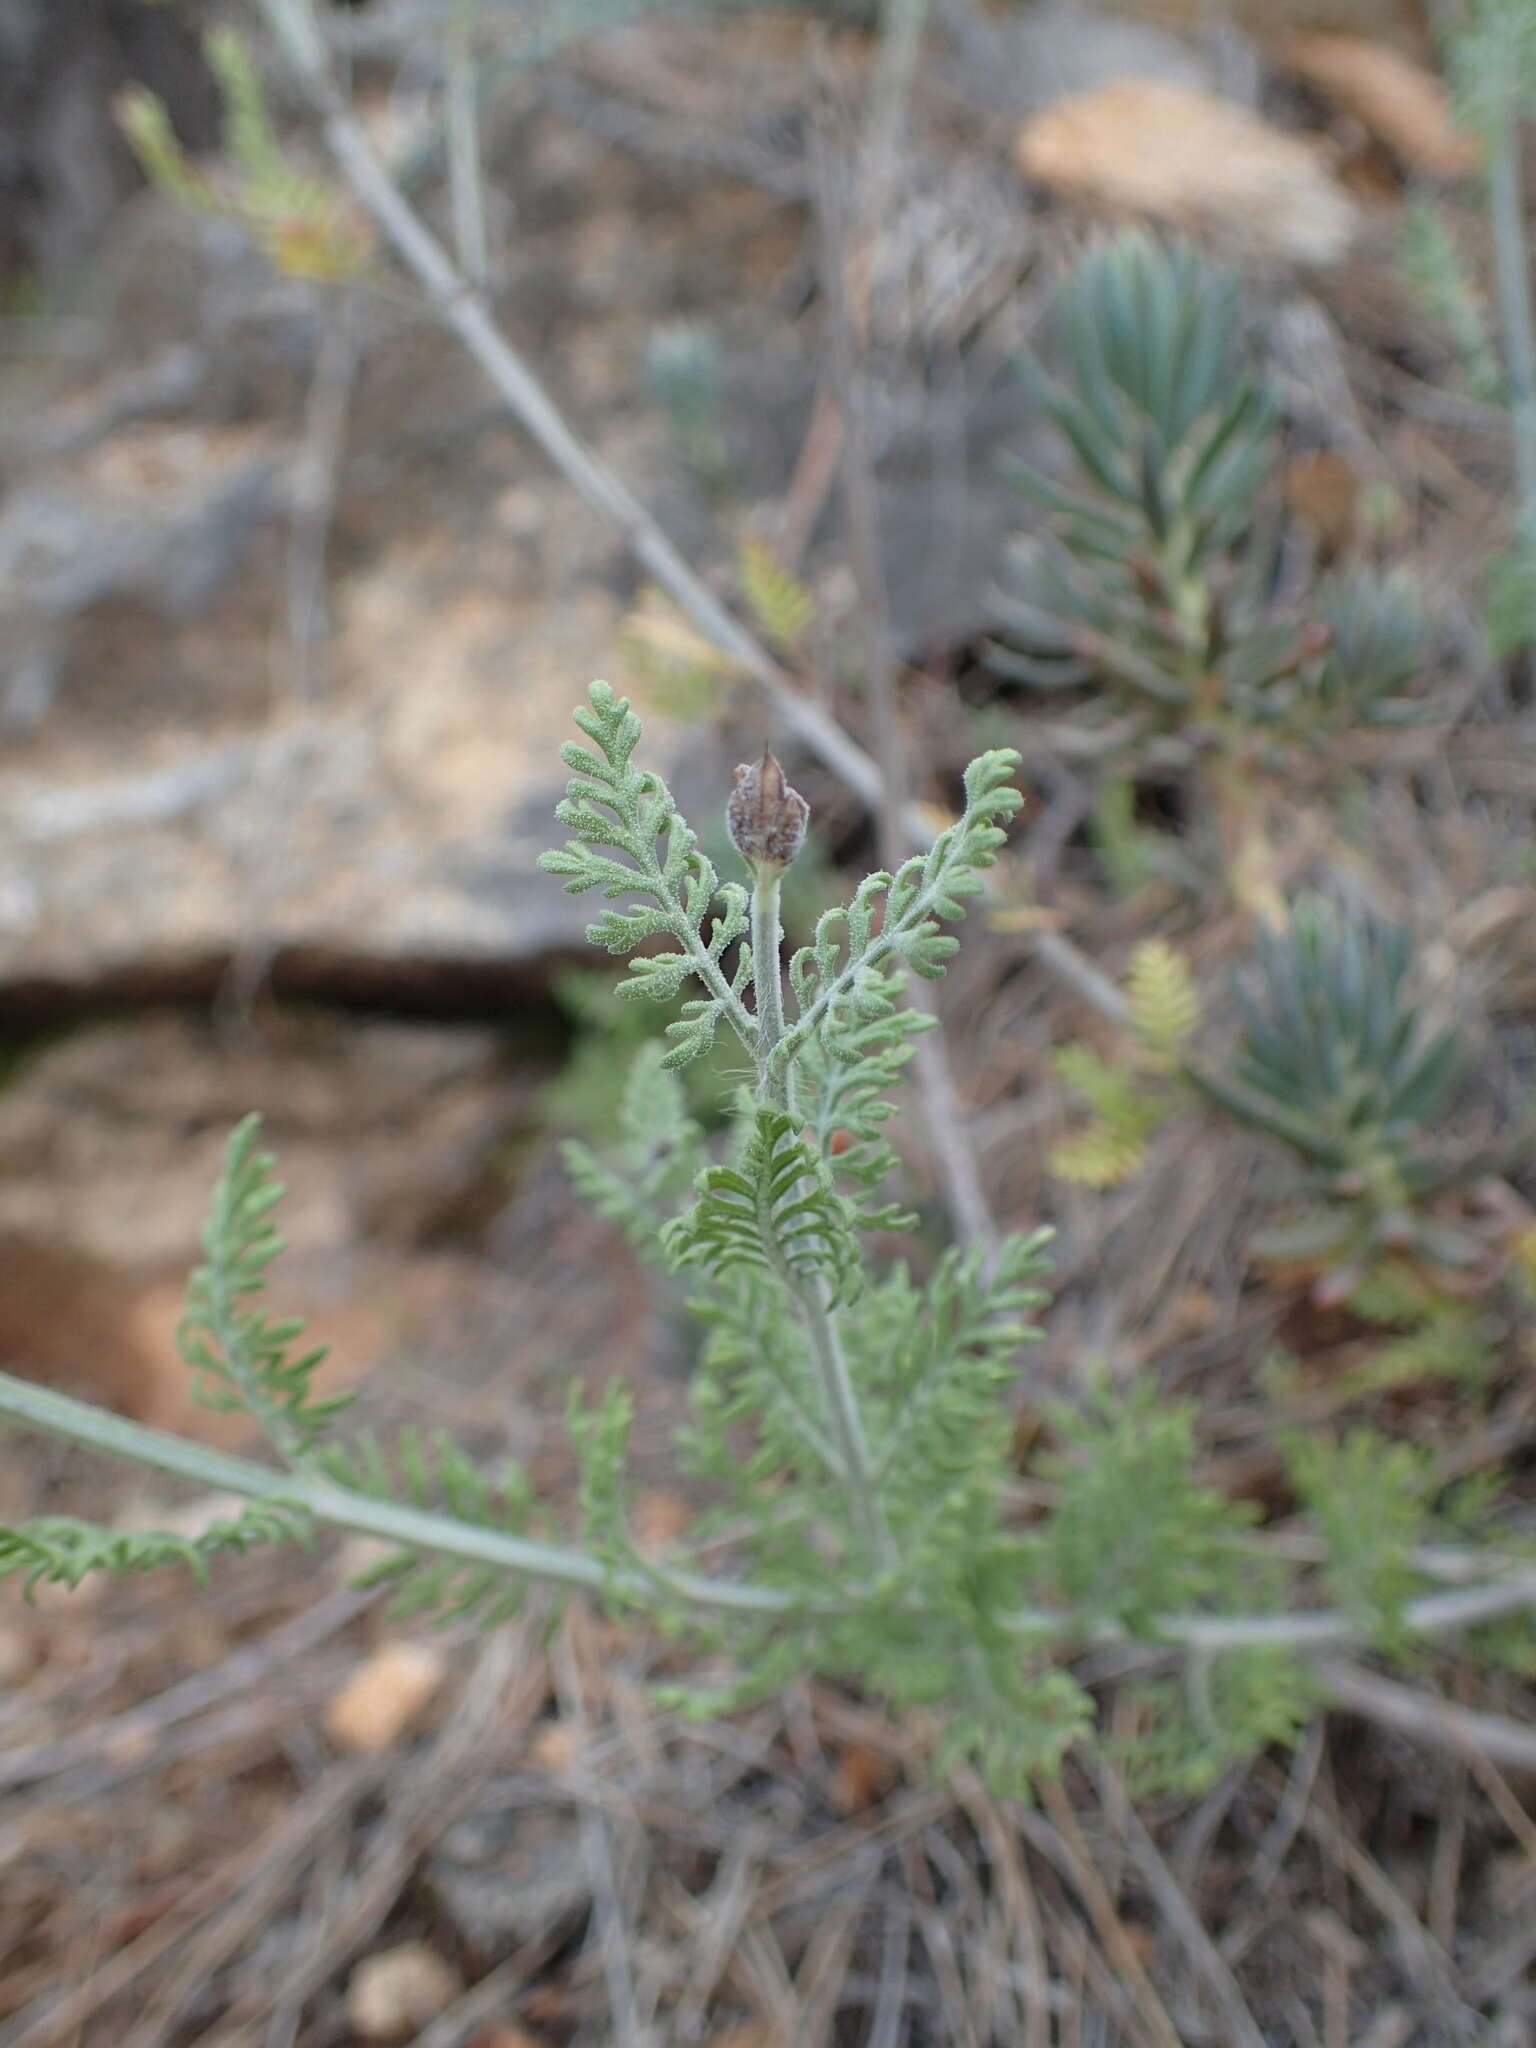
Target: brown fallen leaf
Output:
[
  {"x": 383, "y": 1697},
  {"x": 1193, "y": 160},
  {"x": 862, "y": 1775},
  {"x": 1398, "y": 101}
]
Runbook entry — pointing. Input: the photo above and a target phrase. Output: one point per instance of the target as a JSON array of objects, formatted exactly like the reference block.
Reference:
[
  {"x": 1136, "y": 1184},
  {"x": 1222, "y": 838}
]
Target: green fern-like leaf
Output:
[
  {"x": 1164, "y": 1002},
  {"x": 757, "y": 1410},
  {"x": 61, "y": 1550},
  {"x": 599, "y": 1431},
  {"x": 841, "y": 980},
  {"x": 934, "y": 1368},
  {"x": 1432, "y": 1335},
  {"x": 656, "y": 1161},
  {"x": 1112, "y": 1148},
  {"x": 610, "y": 803},
  {"x": 1134, "y": 1535},
  {"x": 774, "y": 1212},
  {"x": 1019, "y": 1728},
  {"x": 1220, "y": 1710},
  {"x": 778, "y": 601},
  {"x": 438, "y": 1474},
  {"x": 1097, "y": 1157},
  {"x": 241, "y": 1359},
  {"x": 1451, "y": 1342},
  {"x": 305, "y": 227},
  {"x": 844, "y": 1081},
  {"x": 1371, "y": 1499},
  {"x": 249, "y": 138},
  {"x": 146, "y": 128}
]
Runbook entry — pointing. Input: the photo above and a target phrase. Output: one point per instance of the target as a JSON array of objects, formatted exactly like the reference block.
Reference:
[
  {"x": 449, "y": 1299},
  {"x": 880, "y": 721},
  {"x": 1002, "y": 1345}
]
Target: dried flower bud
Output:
[{"x": 766, "y": 817}]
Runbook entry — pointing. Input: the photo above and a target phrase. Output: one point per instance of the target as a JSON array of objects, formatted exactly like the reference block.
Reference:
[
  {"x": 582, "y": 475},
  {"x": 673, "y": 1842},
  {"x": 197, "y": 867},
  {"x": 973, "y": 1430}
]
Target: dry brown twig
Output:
[
  {"x": 611, "y": 1935},
  {"x": 1064, "y": 1842},
  {"x": 1462, "y": 1730},
  {"x": 1239, "y": 2025},
  {"x": 138, "y": 1726}
]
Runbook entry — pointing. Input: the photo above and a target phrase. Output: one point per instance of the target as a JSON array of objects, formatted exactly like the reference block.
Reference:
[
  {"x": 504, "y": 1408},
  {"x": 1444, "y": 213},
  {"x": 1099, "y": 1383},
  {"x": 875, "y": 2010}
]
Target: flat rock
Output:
[{"x": 177, "y": 806}]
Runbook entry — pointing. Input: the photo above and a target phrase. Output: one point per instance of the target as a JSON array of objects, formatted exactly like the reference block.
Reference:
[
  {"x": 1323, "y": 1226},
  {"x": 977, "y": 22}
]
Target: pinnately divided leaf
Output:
[
  {"x": 239, "y": 1357},
  {"x": 775, "y": 1211},
  {"x": 60, "y": 1550},
  {"x": 610, "y": 803},
  {"x": 840, "y": 979},
  {"x": 777, "y": 599},
  {"x": 1164, "y": 1001},
  {"x": 640, "y": 1183},
  {"x": 1371, "y": 1498},
  {"x": 437, "y": 1473}
]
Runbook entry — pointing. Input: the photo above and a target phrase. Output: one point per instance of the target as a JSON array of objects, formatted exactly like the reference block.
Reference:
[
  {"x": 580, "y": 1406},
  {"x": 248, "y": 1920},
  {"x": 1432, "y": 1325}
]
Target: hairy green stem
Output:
[
  {"x": 414, "y": 1528},
  {"x": 80, "y": 1422},
  {"x": 1512, "y": 267},
  {"x": 775, "y": 1082},
  {"x": 846, "y": 1420},
  {"x": 708, "y": 971}
]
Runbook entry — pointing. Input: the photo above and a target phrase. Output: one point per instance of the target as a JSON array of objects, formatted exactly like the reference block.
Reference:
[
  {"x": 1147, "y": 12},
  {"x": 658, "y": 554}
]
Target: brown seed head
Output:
[{"x": 766, "y": 817}]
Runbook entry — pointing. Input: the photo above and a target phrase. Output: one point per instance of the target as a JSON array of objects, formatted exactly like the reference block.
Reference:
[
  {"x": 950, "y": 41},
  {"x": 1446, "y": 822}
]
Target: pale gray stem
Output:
[
  {"x": 615, "y": 1942},
  {"x": 847, "y": 1423},
  {"x": 775, "y": 1083},
  {"x": 312, "y": 494},
  {"x": 1512, "y": 266},
  {"x": 200, "y": 1465},
  {"x": 768, "y": 985},
  {"x": 466, "y": 171},
  {"x": 901, "y": 35},
  {"x": 413, "y": 1528},
  {"x": 1511, "y": 1744},
  {"x": 1073, "y": 967}
]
